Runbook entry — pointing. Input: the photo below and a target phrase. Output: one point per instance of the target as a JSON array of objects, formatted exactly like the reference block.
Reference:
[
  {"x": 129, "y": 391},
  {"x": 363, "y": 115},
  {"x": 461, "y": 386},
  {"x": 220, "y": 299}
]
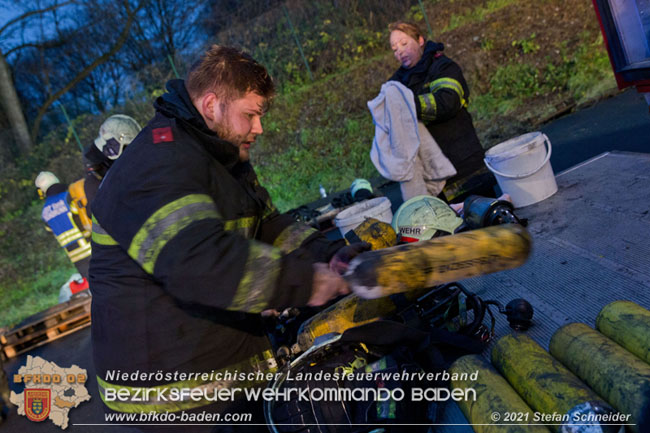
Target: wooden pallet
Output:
[{"x": 49, "y": 325}]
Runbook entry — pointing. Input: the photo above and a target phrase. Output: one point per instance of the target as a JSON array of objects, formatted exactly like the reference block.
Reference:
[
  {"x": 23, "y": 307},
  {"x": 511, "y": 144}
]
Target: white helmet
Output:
[
  {"x": 115, "y": 134},
  {"x": 45, "y": 179},
  {"x": 421, "y": 217}
]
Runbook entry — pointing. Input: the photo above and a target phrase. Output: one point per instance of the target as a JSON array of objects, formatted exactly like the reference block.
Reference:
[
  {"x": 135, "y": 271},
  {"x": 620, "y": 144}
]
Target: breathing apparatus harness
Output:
[{"x": 425, "y": 334}]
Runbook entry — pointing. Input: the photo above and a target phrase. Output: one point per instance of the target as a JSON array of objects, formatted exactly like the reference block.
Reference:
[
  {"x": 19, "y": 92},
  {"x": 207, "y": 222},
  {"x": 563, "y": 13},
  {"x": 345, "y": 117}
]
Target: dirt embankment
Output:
[{"x": 544, "y": 34}]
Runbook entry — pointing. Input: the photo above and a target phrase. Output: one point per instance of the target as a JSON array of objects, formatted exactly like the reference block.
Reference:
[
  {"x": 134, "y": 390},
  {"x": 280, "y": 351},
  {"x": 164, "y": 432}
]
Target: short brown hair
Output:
[
  {"x": 409, "y": 28},
  {"x": 230, "y": 73}
]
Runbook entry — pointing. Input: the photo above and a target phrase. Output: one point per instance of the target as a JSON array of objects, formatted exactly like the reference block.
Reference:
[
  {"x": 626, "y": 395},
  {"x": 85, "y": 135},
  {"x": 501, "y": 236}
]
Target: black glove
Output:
[{"x": 342, "y": 258}]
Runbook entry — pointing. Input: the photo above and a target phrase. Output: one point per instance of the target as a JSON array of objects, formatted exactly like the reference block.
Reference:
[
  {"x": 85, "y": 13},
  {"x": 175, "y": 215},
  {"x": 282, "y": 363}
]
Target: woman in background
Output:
[{"x": 441, "y": 98}]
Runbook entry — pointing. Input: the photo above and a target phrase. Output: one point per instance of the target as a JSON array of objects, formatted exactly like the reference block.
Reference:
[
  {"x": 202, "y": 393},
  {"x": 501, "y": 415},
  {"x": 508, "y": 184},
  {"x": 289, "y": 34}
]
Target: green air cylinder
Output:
[
  {"x": 629, "y": 325},
  {"x": 496, "y": 403},
  {"x": 614, "y": 373},
  {"x": 555, "y": 393}
]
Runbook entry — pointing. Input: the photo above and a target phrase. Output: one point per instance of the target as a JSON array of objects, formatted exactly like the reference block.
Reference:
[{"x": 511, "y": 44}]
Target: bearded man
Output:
[{"x": 188, "y": 250}]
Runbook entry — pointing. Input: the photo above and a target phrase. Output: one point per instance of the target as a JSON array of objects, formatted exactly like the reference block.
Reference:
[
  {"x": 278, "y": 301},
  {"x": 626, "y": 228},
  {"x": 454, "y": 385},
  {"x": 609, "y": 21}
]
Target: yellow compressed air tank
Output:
[
  {"x": 377, "y": 233},
  {"x": 628, "y": 324},
  {"x": 374, "y": 274},
  {"x": 78, "y": 197},
  {"x": 354, "y": 311},
  {"x": 546, "y": 385},
  {"x": 615, "y": 374},
  {"x": 347, "y": 313},
  {"x": 497, "y": 407}
]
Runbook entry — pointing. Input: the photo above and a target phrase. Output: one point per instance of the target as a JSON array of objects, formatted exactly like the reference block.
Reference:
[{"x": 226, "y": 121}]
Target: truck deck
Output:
[{"x": 591, "y": 246}]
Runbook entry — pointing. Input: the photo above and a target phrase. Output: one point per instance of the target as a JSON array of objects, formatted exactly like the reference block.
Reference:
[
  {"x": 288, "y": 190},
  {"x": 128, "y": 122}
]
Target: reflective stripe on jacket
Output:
[
  {"x": 441, "y": 99},
  {"x": 188, "y": 250},
  {"x": 57, "y": 214}
]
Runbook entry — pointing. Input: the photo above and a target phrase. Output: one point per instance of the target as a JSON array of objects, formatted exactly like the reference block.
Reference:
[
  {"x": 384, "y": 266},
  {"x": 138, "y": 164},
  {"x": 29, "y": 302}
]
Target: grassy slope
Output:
[
  {"x": 523, "y": 59},
  {"x": 34, "y": 271}
]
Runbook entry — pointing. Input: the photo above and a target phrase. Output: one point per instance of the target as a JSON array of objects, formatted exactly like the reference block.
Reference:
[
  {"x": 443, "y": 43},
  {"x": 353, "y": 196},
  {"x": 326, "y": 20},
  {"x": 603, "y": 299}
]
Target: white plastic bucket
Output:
[
  {"x": 522, "y": 167},
  {"x": 350, "y": 218}
]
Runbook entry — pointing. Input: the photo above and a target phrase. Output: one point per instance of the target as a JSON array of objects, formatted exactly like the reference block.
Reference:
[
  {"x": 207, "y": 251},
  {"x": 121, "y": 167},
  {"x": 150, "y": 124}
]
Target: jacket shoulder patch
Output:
[{"x": 161, "y": 135}]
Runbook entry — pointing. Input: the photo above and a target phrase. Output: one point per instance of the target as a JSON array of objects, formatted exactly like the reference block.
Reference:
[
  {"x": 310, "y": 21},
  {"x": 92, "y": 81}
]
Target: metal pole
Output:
[
  {"x": 171, "y": 62},
  {"x": 71, "y": 126},
  {"x": 426, "y": 20},
  {"x": 286, "y": 13}
]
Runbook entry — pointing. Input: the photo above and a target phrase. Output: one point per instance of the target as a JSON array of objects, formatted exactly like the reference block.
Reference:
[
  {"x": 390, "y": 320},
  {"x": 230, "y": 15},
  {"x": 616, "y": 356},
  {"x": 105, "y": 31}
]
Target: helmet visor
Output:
[{"x": 112, "y": 148}]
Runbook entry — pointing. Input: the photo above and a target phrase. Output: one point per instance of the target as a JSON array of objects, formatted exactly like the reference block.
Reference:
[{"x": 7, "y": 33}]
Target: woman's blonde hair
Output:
[{"x": 409, "y": 28}]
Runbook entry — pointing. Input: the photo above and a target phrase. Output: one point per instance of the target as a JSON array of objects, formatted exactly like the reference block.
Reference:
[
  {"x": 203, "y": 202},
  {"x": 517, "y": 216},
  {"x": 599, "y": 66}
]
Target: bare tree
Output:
[
  {"x": 73, "y": 60},
  {"x": 114, "y": 48},
  {"x": 10, "y": 101},
  {"x": 12, "y": 108}
]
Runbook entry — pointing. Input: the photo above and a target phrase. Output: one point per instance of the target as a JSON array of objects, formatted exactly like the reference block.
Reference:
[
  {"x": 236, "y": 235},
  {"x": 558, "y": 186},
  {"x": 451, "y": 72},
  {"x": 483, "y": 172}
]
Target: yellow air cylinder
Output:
[
  {"x": 78, "y": 196},
  {"x": 347, "y": 313},
  {"x": 374, "y": 274},
  {"x": 377, "y": 233},
  {"x": 614, "y": 373},
  {"x": 555, "y": 393},
  {"x": 629, "y": 325},
  {"x": 496, "y": 402}
]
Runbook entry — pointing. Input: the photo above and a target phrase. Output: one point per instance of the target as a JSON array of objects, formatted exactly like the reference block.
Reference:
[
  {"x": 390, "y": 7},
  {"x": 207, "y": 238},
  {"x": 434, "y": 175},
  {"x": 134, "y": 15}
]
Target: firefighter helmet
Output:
[
  {"x": 424, "y": 217},
  {"x": 484, "y": 212},
  {"x": 115, "y": 134},
  {"x": 45, "y": 179}
]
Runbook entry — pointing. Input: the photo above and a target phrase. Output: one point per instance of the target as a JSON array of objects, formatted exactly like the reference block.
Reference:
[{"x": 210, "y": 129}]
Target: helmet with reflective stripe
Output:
[
  {"x": 115, "y": 134},
  {"x": 424, "y": 217},
  {"x": 45, "y": 179}
]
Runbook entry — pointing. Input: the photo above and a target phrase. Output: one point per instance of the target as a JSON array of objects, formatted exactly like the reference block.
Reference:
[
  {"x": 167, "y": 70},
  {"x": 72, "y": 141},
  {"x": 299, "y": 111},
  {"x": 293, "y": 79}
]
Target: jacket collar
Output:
[
  {"x": 55, "y": 189},
  {"x": 177, "y": 104},
  {"x": 96, "y": 157},
  {"x": 403, "y": 74}
]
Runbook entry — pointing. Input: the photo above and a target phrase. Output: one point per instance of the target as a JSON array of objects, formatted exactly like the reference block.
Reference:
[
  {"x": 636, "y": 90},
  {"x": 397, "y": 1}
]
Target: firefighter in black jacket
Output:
[
  {"x": 441, "y": 99},
  {"x": 114, "y": 135},
  {"x": 188, "y": 249}
]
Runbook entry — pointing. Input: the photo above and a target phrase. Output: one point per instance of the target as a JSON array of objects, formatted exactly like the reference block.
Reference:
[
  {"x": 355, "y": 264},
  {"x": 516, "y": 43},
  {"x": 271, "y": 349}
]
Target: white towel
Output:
[{"x": 399, "y": 137}]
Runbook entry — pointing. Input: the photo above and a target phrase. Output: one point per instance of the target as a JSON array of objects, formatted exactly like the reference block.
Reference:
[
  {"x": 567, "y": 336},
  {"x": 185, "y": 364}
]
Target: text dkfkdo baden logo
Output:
[{"x": 50, "y": 391}]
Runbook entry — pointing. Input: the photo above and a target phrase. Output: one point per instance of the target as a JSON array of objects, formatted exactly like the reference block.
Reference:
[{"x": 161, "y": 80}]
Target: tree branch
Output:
[
  {"x": 34, "y": 12},
  {"x": 45, "y": 45},
  {"x": 86, "y": 71}
]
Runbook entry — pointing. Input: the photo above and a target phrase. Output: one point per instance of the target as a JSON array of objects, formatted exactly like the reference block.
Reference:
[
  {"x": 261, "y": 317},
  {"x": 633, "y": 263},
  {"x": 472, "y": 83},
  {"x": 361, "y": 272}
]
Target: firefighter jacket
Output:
[
  {"x": 60, "y": 215},
  {"x": 187, "y": 251},
  {"x": 441, "y": 99},
  {"x": 96, "y": 165}
]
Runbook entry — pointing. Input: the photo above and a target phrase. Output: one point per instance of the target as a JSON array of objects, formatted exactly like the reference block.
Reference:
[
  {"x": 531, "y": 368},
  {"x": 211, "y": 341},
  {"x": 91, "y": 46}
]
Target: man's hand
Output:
[
  {"x": 326, "y": 285},
  {"x": 340, "y": 261}
]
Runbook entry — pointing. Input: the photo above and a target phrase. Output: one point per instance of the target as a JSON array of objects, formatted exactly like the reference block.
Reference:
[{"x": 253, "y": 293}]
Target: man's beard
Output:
[{"x": 225, "y": 132}]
